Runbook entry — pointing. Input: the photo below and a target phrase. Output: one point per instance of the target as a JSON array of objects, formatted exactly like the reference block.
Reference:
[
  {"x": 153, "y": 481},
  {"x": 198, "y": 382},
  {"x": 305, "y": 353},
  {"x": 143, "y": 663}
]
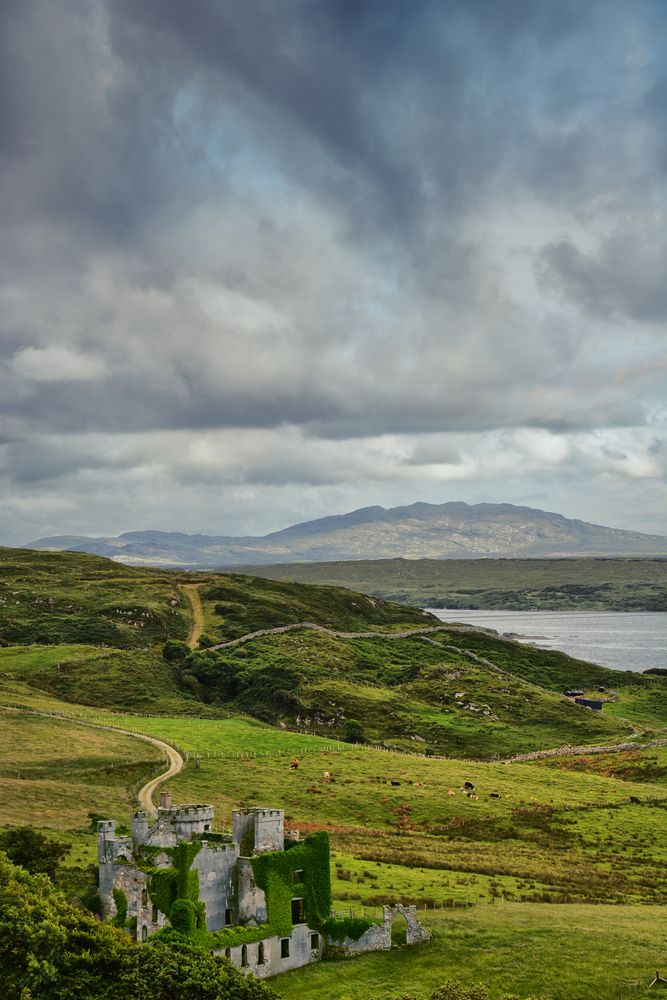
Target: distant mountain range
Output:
[{"x": 421, "y": 530}]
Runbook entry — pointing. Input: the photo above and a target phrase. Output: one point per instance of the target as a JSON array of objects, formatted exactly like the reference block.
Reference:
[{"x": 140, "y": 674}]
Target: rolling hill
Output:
[
  {"x": 88, "y": 645},
  {"x": 569, "y": 584},
  {"x": 350, "y": 665},
  {"x": 421, "y": 530}
]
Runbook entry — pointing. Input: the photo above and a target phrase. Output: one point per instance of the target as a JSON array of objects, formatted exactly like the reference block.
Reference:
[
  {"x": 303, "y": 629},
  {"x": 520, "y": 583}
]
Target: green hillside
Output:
[
  {"x": 69, "y": 597},
  {"x": 458, "y": 691},
  {"x": 521, "y": 859},
  {"x": 403, "y": 692},
  {"x": 572, "y": 584}
]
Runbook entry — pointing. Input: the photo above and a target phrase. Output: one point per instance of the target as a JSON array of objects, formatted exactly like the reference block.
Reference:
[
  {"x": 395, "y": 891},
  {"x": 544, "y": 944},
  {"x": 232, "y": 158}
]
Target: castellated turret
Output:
[
  {"x": 170, "y": 825},
  {"x": 111, "y": 848},
  {"x": 258, "y": 830},
  {"x": 140, "y": 822}
]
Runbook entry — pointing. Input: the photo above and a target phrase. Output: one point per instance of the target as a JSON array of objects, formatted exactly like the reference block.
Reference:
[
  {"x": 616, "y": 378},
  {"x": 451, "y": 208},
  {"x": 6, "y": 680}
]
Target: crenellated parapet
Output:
[{"x": 257, "y": 830}]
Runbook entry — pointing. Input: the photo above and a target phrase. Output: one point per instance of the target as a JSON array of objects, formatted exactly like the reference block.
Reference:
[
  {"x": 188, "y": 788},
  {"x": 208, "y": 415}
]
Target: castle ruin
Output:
[{"x": 249, "y": 895}]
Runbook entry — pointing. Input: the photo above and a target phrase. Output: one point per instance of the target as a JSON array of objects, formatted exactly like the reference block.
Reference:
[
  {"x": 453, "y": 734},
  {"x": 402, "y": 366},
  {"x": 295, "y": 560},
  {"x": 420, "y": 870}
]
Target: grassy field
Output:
[
  {"x": 509, "y": 584},
  {"x": 54, "y": 772},
  {"x": 551, "y": 952},
  {"x": 508, "y": 873}
]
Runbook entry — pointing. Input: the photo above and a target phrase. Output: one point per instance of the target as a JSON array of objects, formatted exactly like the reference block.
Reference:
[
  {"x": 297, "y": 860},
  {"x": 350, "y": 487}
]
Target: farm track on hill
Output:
[
  {"x": 191, "y": 591},
  {"x": 146, "y": 792}
]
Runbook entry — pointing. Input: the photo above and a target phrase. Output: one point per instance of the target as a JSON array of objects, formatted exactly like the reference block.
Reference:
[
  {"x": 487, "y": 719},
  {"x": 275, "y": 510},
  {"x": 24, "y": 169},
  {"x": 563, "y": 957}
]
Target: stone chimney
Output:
[{"x": 165, "y": 800}]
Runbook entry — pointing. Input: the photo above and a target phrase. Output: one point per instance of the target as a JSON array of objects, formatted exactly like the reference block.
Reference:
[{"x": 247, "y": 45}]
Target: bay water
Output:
[{"x": 618, "y": 639}]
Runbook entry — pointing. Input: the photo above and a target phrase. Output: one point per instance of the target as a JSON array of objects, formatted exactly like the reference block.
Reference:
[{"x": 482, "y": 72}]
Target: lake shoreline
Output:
[{"x": 619, "y": 640}]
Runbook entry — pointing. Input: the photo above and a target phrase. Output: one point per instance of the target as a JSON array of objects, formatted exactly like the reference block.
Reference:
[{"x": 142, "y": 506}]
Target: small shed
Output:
[{"x": 590, "y": 703}]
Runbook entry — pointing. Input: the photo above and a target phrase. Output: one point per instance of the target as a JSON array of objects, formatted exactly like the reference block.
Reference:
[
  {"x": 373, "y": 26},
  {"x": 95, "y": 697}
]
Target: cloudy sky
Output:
[{"x": 264, "y": 260}]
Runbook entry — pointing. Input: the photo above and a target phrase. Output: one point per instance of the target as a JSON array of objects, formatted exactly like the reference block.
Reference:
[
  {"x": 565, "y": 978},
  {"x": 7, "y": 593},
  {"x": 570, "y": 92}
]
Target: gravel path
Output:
[
  {"x": 145, "y": 794},
  {"x": 191, "y": 591}
]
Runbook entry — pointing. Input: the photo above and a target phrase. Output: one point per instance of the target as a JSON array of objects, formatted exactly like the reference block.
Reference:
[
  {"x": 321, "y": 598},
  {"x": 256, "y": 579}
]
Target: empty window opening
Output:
[
  {"x": 229, "y": 917},
  {"x": 260, "y": 953},
  {"x": 284, "y": 947},
  {"x": 228, "y": 952},
  {"x": 244, "y": 955},
  {"x": 297, "y": 876},
  {"x": 298, "y": 911},
  {"x": 154, "y": 914},
  {"x": 144, "y": 933},
  {"x": 144, "y": 897},
  {"x": 314, "y": 942},
  {"x": 207, "y": 827}
]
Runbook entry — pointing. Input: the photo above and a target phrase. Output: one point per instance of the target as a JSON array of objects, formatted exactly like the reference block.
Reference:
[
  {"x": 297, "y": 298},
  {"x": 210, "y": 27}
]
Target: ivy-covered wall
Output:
[
  {"x": 178, "y": 884},
  {"x": 274, "y": 873}
]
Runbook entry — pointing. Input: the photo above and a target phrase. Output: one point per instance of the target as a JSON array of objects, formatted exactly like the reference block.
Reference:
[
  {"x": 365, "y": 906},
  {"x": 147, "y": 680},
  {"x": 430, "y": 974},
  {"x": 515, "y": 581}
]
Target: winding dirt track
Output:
[
  {"x": 176, "y": 764},
  {"x": 191, "y": 591},
  {"x": 145, "y": 794}
]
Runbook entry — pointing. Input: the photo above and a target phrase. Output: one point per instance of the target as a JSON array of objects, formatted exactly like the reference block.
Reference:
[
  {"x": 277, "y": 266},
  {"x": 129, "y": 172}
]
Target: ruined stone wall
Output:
[
  {"x": 133, "y": 883},
  {"x": 110, "y": 849},
  {"x": 258, "y": 830},
  {"x": 269, "y": 830},
  {"x": 216, "y": 867},
  {"x": 265, "y": 958},
  {"x": 251, "y": 899},
  {"x": 378, "y": 936},
  {"x": 173, "y": 825}
]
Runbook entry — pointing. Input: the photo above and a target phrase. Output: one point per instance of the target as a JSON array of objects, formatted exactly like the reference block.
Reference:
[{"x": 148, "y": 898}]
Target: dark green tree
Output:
[
  {"x": 50, "y": 950},
  {"x": 206, "y": 640},
  {"x": 33, "y": 850},
  {"x": 175, "y": 651},
  {"x": 353, "y": 732},
  {"x": 180, "y": 972}
]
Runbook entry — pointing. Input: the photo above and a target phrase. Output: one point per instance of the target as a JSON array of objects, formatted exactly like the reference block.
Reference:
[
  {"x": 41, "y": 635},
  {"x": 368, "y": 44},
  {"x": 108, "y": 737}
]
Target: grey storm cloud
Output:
[{"x": 325, "y": 222}]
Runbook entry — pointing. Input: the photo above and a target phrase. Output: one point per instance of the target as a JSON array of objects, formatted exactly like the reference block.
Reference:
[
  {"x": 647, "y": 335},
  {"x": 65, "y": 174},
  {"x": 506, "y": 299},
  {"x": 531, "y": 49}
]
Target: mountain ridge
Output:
[{"x": 420, "y": 530}]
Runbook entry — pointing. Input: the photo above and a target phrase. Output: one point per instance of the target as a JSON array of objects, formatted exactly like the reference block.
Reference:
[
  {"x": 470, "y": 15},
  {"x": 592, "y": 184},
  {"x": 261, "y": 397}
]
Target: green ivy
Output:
[
  {"x": 274, "y": 873},
  {"x": 166, "y": 886},
  {"x": 348, "y": 927},
  {"x": 120, "y": 899}
]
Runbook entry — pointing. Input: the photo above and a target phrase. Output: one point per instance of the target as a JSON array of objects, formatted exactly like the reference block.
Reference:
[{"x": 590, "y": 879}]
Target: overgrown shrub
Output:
[{"x": 175, "y": 651}]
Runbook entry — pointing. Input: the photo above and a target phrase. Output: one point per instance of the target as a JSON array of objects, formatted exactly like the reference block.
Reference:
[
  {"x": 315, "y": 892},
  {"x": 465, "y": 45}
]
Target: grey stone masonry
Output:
[
  {"x": 378, "y": 936},
  {"x": 252, "y": 899},
  {"x": 275, "y": 954},
  {"x": 257, "y": 830},
  {"x": 226, "y": 884},
  {"x": 216, "y": 865}
]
